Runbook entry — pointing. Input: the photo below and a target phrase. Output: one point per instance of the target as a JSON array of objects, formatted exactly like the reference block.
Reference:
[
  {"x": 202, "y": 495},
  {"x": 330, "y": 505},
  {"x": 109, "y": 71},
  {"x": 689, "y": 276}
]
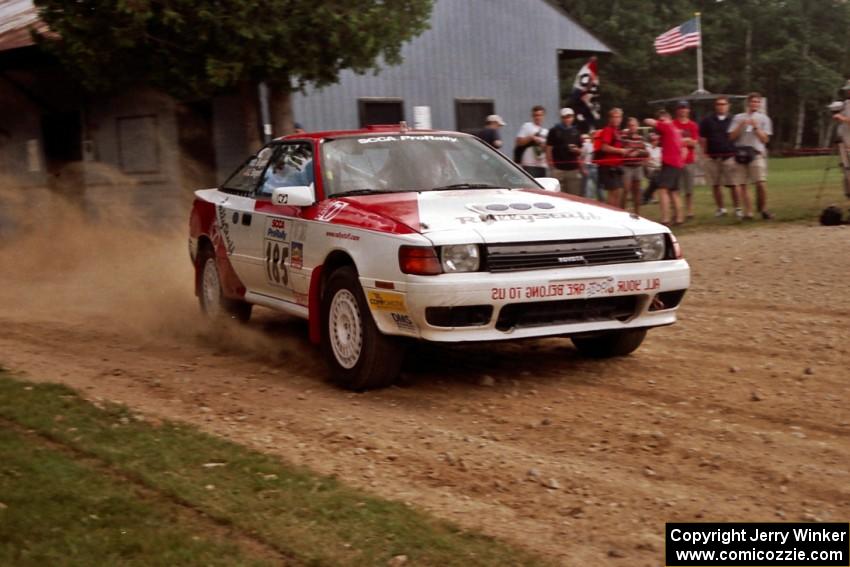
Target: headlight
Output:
[
  {"x": 653, "y": 247},
  {"x": 460, "y": 258}
]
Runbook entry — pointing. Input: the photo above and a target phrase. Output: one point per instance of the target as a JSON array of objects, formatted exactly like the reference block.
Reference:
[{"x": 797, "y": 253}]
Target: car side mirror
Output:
[
  {"x": 549, "y": 183},
  {"x": 300, "y": 196}
]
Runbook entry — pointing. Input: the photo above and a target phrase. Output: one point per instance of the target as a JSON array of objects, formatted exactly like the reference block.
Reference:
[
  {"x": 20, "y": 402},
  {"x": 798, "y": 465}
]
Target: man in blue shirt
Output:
[
  {"x": 719, "y": 154},
  {"x": 563, "y": 145}
]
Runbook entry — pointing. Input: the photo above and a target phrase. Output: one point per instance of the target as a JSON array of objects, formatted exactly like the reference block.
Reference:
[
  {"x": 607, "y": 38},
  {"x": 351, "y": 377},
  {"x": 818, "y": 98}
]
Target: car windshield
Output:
[{"x": 415, "y": 162}]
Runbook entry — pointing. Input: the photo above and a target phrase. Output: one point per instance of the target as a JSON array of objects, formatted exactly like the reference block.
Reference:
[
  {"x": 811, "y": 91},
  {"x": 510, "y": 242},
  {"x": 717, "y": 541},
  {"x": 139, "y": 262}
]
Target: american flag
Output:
[{"x": 678, "y": 39}]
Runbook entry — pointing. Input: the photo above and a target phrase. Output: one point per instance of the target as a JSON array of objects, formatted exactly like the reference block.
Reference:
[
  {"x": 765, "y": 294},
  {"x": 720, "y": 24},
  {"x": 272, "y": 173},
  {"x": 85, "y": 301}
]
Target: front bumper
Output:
[{"x": 603, "y": 290}]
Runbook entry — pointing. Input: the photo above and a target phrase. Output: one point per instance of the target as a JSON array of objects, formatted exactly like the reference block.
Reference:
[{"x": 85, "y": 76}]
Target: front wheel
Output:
[
  {"x": 360, "y": 356},
  {"x": 614, "y": 343},
  {"x": 213, "y": 303}
]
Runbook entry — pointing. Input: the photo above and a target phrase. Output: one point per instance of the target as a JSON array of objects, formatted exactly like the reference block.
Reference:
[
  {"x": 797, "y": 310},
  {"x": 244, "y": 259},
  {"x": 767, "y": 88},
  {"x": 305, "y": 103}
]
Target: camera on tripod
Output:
[{"x": 840, "y": 109}]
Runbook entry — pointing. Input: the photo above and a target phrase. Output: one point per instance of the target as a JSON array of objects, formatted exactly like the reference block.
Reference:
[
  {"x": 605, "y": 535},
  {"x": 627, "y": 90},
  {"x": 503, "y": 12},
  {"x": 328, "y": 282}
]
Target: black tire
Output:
[
  {"x": 213, "y": 303},
  {"x": 614, "y": 343},
  {"x": 359, "y": 355}
]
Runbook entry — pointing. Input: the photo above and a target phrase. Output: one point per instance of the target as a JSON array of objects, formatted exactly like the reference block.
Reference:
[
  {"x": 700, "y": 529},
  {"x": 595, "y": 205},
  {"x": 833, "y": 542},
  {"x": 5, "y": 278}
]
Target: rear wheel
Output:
[
  {"x": 360, "y": 356},
  {"x": 614, "y": 343},
  {"x": 213, "y": 303}
]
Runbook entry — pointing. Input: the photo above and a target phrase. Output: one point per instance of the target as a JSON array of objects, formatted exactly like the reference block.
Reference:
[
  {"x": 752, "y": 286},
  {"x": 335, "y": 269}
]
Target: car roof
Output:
[{"x": 386, "y": 130}]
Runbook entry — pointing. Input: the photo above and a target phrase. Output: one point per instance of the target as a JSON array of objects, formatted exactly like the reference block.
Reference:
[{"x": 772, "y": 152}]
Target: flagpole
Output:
[{"x": 700, "y": 87}]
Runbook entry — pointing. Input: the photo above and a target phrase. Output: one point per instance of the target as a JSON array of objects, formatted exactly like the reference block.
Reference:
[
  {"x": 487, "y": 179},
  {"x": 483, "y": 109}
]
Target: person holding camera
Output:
[
  {"x": 673, "y": 154},
  {"x": 633, "y": 164},
  {"x": 530, "y": 145},
  {"x": 750, "y": 131}
]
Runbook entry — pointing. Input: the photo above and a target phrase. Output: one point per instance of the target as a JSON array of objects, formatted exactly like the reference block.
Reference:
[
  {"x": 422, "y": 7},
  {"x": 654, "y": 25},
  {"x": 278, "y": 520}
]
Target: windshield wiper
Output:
[
  {"x": 467, "y": 186},
  {"x": 354, "y": 192}
]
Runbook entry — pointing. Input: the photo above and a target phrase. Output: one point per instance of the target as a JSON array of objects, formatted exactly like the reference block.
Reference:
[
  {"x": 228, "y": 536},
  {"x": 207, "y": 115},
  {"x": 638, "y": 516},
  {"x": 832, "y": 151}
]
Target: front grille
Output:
[
  {"x": 540, "y": 313},
  {"x": 561, "y": 254}
]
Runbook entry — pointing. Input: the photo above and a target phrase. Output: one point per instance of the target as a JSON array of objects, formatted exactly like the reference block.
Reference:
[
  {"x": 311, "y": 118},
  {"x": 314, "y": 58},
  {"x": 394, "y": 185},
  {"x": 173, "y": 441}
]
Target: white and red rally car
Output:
[{"x": 383, "y": 235}]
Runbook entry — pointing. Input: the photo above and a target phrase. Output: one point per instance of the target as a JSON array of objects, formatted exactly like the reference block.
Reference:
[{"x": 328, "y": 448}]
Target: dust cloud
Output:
[{"x": 104, "y": 264}]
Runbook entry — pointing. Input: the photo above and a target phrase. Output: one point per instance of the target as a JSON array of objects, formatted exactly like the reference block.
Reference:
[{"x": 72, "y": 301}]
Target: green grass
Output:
[
  {"x": 311, "y": 519},
  {"x": 59, "y": 511},
  {"x": 792, "y": 188}
]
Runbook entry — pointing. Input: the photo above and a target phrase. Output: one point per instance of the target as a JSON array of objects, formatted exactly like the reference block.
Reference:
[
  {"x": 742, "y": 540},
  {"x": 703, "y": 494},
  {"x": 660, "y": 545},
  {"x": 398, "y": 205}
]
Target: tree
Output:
[
  {"x": 795, "y": 52},
  {"x": 198, "y": 48}
]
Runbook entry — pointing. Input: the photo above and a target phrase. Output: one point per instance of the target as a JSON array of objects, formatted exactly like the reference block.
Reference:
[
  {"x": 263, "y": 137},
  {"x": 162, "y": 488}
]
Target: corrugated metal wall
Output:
[{"x": 505, "y": 50}]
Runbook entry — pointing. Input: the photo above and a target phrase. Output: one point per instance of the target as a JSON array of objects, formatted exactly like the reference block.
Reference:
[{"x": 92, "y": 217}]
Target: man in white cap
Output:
[
  {"x": 843, "y": 119},
  {"x": 490, "y": 133},
  {"x": 563, "y": 146}
]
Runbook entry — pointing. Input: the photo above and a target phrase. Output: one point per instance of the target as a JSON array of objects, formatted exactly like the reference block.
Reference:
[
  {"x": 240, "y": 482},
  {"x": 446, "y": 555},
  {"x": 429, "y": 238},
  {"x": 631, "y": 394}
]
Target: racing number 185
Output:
[{"x": 276, "y": 256}]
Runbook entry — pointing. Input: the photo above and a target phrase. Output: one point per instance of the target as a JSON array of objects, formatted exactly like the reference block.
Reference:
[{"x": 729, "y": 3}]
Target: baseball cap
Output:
[
  {"x": 683, "y": 104},
  {"x": 495, "y": 118},
  {"x": 567, "y": 112}
]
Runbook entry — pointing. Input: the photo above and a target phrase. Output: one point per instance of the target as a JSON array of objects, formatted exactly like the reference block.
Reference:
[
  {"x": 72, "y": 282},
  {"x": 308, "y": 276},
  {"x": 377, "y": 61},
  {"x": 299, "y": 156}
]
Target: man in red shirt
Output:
[
  {"x": 690, "y": 137},
  {"x": 673, "y": 153},
  {"x": 610, "y": 159}
]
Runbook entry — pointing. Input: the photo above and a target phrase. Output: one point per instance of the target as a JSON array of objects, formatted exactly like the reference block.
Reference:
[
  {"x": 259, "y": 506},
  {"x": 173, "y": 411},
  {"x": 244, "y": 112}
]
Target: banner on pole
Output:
[{"x": 585, "y": 97}]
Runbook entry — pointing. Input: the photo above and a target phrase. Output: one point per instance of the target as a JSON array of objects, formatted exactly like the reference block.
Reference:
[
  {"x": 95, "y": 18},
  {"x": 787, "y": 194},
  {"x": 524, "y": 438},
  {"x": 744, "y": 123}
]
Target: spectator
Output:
[
  {"x": 719, "y": 155},
  {"x": 299, "y": 129},
  {"x": 530, "y": 148},
  {"x": 491, "y": 133},
  {"x": 653, "y": 167},
  {"x": 752, "y": 129},
  {"x": 611, "y": 158},
  {"x": 589, "y": 173},
  {"x": 673, "y": 152},
  {"x": 843, "y": 119},
  {"x": 563, "y": 145},
  {"x": 690, "y": 137},
  {"x": 633, "y": 166}
]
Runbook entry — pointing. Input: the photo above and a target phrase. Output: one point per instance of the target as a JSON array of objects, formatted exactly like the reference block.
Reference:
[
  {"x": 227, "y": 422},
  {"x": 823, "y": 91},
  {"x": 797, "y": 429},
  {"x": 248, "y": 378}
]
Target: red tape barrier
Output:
[{"x": 623, "y": 160}]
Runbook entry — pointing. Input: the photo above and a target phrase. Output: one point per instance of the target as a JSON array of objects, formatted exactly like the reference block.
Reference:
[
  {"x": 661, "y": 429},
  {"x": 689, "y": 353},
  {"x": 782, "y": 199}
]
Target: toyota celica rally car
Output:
[{"x": 383, "y": 235}]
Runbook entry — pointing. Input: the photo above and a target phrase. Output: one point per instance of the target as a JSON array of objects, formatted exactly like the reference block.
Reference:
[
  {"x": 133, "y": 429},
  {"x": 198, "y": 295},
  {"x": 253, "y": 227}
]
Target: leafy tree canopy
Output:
[
  {"x": 198, "y": 47},
  {"x": 796, "y": 52}
]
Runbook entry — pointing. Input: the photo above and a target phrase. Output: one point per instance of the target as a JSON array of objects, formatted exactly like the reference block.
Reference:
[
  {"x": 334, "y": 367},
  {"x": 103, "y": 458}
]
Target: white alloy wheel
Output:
[
  {"x": 346, "y": 329},
  {"x": 211, "y": 289}
]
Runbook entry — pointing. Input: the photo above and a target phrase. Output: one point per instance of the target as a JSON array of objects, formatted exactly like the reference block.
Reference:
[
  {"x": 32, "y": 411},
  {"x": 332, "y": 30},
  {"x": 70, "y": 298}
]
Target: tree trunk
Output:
[
  {"x": 801, "y": 123},
  {"x": 748, "y": 56},
  {"x": 251, "y": 116},
  {"x": 281, "y": 109},
  {"x": 801, "y": 108},
  {"x": 823, "y": 131}
]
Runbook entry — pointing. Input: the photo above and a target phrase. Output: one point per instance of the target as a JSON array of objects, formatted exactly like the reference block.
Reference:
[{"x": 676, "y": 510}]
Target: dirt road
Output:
[{"x": 739, "y": 412}]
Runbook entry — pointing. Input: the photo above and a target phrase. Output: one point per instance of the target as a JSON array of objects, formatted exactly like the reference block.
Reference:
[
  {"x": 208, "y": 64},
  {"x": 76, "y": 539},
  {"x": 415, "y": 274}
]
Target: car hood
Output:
[{"x": 502, "y": 215}]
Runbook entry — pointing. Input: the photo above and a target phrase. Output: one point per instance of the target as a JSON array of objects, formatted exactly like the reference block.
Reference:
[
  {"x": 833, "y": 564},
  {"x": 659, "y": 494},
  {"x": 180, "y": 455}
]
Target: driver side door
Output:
[{"x": 281, "y": 254}]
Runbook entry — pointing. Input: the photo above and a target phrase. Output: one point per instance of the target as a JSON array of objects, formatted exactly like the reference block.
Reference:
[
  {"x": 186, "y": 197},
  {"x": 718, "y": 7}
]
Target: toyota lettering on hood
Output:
[{"x": 503, "y": 215}]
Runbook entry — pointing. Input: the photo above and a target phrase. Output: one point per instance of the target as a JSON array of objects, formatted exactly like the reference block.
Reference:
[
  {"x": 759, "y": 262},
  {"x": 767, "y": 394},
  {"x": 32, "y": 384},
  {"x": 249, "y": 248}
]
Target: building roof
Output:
[
  {"x": 594, "y": 43},
  {"x": 17, "y": 19}
]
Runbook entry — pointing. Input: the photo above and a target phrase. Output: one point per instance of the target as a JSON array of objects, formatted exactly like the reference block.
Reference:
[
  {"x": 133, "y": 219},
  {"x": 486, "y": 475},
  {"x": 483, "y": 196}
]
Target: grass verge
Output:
[
  {"x": 798, "y": 189},
  {"x": 100, "y": 486}
]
